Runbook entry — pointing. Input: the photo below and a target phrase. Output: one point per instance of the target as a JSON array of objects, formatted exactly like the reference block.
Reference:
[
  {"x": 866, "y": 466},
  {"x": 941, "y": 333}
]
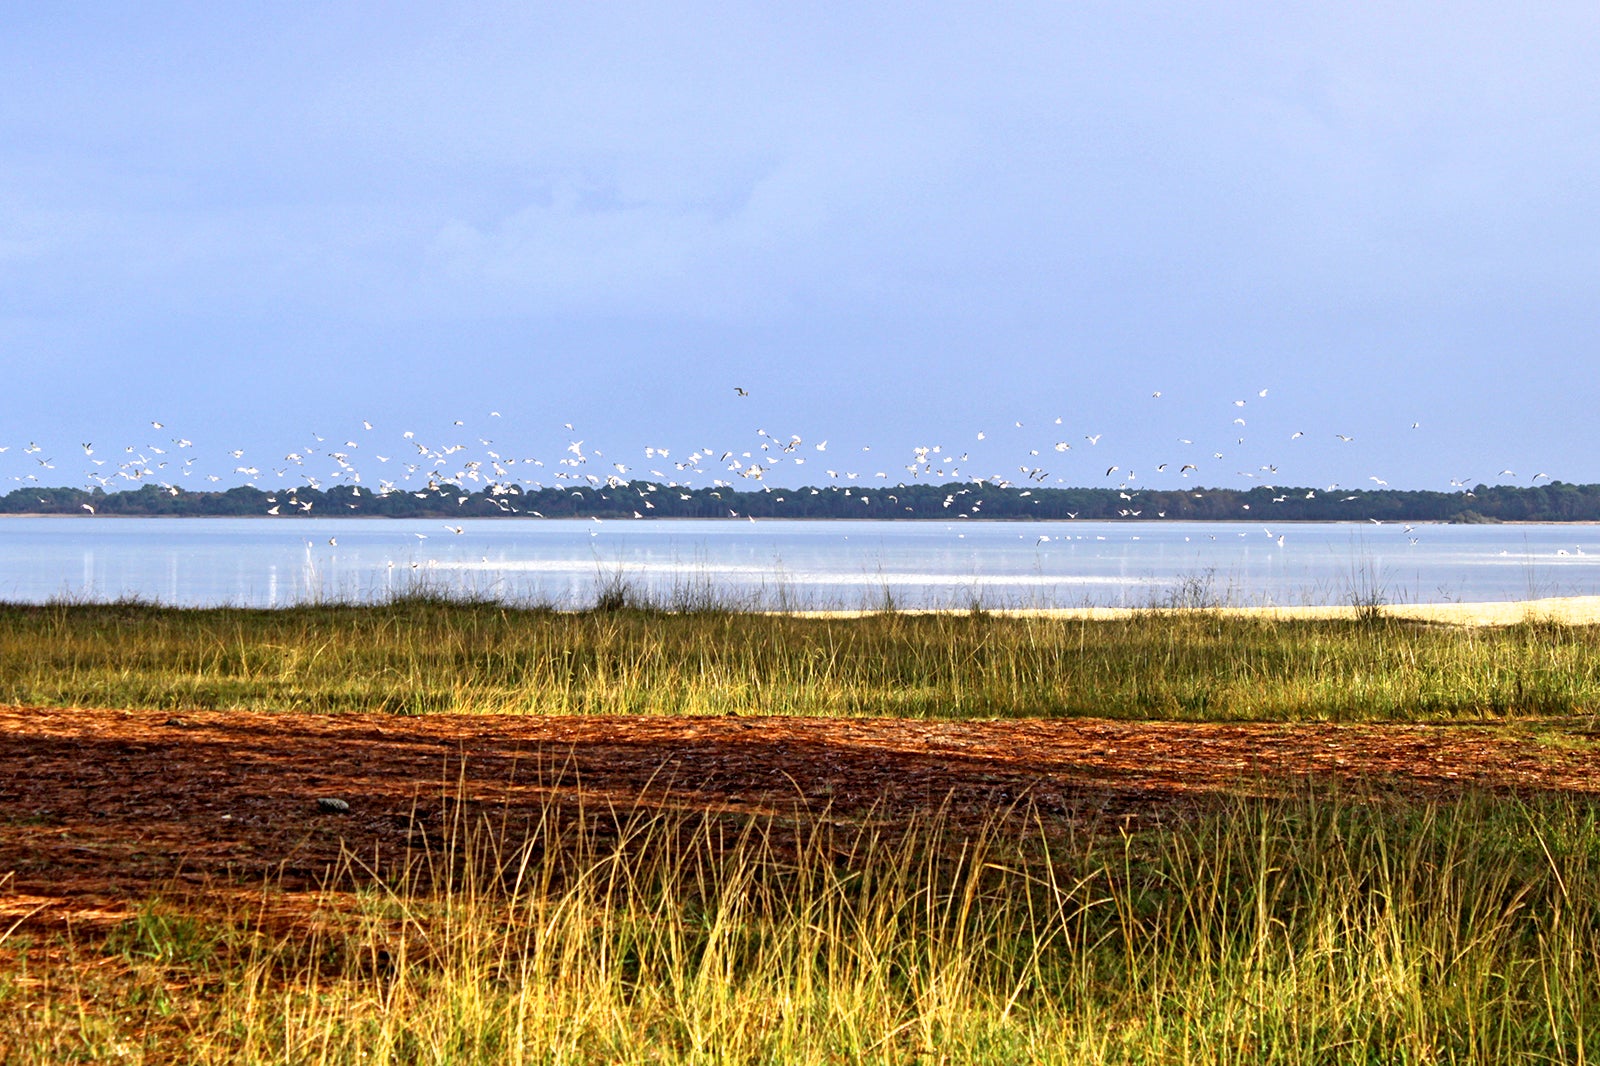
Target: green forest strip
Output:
[{"x": 1556, "y": 501}]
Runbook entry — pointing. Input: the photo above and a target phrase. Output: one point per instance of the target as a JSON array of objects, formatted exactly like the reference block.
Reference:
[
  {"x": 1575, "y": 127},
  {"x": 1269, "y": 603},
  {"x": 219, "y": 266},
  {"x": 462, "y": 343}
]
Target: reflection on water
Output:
[{"x": 800, "y": 564}]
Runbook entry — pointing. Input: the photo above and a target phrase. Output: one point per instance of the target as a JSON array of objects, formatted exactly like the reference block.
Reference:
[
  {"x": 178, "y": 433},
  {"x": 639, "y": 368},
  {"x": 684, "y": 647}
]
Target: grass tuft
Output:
[{"x": 1322, "y": 928}]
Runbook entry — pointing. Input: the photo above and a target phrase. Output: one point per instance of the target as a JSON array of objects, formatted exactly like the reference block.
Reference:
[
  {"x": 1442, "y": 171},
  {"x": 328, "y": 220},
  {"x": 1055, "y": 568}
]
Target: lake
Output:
[{"x": 795, "y": 564}]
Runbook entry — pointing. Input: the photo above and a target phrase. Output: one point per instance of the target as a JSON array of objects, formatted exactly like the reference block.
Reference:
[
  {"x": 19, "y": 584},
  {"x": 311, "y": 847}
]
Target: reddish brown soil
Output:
[{"x": 101, "y": 808}]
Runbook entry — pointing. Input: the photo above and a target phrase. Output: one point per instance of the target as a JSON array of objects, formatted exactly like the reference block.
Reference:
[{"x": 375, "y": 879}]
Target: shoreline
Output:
[
  {"x": 1562, "y": 610},
  {"x": 745, "y": 519}
]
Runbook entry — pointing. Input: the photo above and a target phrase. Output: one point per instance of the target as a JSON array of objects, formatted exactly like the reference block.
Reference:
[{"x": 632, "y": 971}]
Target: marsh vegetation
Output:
[
  {"x": 426, "y": 655},
  {"x": 1329, "y": 925},
  {"x": 1315, "y": 929}
]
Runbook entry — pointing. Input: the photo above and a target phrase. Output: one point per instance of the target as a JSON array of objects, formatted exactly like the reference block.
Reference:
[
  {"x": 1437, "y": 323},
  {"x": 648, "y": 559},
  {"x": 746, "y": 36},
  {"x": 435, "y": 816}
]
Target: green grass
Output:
[
  {"x": 1325, "y": 928},
  {"x": 428, "y": 655},
  {"x": 1315, "y": 930}
]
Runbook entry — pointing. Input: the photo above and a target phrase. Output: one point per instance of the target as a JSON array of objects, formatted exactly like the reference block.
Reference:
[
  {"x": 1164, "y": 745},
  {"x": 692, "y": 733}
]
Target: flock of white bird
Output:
[{"x": 471, "y": 462}]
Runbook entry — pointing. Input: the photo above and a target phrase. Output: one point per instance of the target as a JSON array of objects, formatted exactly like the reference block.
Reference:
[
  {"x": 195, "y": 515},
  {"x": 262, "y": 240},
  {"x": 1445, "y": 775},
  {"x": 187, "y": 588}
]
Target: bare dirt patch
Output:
[{"x": 102, "y": 807}]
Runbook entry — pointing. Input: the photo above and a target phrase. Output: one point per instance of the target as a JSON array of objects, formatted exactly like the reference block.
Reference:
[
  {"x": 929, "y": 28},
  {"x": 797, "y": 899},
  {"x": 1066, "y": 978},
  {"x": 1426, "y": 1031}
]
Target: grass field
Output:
[
  {"x": 1332, "y": 926},
  {"x": 1315, "y": 930},
  {"x": 422, "y": 655}
]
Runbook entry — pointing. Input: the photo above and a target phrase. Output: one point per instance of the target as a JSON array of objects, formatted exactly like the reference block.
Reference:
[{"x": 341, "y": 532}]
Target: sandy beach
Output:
[{"x": 1566, "y": 610}]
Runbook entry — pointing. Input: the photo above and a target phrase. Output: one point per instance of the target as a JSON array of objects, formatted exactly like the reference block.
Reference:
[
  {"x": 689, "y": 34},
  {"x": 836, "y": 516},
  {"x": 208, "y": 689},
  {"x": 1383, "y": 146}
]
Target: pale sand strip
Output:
[{"x": 1568, "y": 610}]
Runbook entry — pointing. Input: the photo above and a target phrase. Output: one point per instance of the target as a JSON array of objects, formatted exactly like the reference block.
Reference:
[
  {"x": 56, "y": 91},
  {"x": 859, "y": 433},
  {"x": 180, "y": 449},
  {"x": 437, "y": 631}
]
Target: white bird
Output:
[{"x": 333, "y": 542}]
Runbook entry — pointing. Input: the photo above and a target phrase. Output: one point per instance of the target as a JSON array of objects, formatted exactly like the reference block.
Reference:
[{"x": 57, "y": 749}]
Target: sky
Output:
[{"x": 699, "y": 229}]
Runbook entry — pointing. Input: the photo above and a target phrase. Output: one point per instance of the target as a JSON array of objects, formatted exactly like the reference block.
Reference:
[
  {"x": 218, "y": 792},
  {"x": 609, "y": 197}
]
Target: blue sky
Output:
[{"x": 895, "y": 227}]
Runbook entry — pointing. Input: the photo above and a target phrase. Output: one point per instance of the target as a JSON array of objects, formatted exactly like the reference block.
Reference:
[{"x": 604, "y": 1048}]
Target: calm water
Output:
[{"x": 263, "y": 562}]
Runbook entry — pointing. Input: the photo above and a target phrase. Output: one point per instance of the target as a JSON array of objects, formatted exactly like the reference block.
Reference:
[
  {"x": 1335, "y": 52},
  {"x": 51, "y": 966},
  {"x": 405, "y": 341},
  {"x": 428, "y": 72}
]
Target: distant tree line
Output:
[{"x": 1556, "y": 501}]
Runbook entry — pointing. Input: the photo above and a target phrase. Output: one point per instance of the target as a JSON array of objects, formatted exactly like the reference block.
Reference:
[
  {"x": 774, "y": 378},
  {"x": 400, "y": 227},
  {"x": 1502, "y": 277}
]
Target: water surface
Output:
[{"x": 796, "y": 564}]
